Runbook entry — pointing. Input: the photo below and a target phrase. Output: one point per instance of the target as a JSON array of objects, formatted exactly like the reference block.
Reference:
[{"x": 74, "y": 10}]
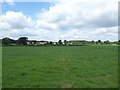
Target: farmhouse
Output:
[
  {"x": 55, "y": 43},
  {"x": 42, "y": 42},
  {"x": 34, "y": 42},
  {"x": 69, "y": 43},
  {"x": 31, "y": 42}
]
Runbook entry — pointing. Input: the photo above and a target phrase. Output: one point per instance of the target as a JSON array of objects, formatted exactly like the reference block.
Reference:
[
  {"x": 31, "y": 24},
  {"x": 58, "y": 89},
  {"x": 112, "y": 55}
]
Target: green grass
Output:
[{"x": 60, "y": 67}]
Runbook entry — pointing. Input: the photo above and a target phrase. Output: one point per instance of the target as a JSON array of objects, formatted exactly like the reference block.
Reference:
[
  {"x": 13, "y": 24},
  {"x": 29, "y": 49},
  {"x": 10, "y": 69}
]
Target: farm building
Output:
[
  {"x": 42, "y": 42},
  {"x": 55, "y": 43},
  {"x": 31, "y": 42},
  {"x": 34, "y": 42}
]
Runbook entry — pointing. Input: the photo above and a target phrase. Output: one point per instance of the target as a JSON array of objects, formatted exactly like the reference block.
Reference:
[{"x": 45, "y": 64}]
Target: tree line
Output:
[
  {"x": 24, "y": 40},
  {"x": 20, "y": 41}
]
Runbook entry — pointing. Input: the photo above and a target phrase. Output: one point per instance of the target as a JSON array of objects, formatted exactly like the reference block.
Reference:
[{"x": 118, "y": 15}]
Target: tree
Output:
[
  {"x": 0, "y": 41},
  {"x": 92, "y": 41},
  {"x": 6, "y": 41},
  {"x": 65, "y": 42},
  {"x": 60, "y": 42},
  {"x": 118, "y": 42},
  {"x": 99, "y": 41},
  {"x": 107, "y": 42},
  {"x": 51, "y": 42},
  {"x": 22, "y": 40}
]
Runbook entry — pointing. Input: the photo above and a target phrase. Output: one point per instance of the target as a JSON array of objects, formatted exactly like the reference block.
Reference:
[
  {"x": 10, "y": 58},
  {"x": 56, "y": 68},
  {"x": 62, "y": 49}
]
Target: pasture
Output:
[{"x": 60, "y": 67}]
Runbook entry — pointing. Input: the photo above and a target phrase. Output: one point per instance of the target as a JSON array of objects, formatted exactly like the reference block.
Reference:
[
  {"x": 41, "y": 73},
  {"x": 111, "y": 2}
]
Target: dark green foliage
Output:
[
  {"x": 22, "y": 40},
  {"x": 119, "y": 42},
  {"x": 99, "y": 41},
  {"x": 8, "y": 41},
  {"x": 0, "y": 41},
  {"x": 60, "y": 41},
  {"x": 65, "y": 42},
  {"x": 51, "y": 42},
  {"x": 107, "y": 42}
]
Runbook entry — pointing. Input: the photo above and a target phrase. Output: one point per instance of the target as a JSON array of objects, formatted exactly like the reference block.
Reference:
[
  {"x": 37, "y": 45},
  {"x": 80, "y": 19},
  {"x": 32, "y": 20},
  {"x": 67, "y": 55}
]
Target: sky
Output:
[{"x": 65, "y": 20}]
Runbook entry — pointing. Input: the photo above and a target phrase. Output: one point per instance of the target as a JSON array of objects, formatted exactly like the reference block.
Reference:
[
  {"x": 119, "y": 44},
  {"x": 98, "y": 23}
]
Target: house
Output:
[
  {"x": 69, "y": 43},
  {"x": 31, "y": 42},
  {"x": 34, "y": 42},
  {"x": 55, "y": 43},
  {"x": 63, "y": 43},
  {"x": 42, "y": 42},
  {"x": 13, "y": 44}
]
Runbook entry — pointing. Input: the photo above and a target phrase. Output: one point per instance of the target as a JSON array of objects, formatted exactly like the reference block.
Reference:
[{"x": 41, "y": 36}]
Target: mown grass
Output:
[{"x": 60, "y": 67}]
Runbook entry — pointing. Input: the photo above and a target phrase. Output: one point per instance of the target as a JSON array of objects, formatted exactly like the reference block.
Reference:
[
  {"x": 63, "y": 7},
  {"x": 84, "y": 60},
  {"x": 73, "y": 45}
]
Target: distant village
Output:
[{"x": 24, "y": 41}]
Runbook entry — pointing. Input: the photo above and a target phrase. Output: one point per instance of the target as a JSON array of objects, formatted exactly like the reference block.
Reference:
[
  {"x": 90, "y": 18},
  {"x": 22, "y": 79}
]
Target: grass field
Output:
[{"x": 60, "y": 67}]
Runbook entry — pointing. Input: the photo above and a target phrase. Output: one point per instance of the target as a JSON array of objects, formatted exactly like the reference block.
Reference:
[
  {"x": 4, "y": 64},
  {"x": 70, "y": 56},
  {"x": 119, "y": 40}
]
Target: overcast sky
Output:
[{"x": 66, "y": 19}]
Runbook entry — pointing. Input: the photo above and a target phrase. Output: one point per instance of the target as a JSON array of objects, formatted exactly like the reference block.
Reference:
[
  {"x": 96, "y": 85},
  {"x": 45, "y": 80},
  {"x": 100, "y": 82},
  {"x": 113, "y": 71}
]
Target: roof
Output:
[
  {"x": 31, "y": 40},
  {"x": 35, "y": 41}
]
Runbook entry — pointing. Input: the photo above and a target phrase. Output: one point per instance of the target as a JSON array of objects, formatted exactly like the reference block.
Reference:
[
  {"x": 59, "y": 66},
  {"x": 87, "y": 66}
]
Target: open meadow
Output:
[{"x": 60, "y": 67}]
